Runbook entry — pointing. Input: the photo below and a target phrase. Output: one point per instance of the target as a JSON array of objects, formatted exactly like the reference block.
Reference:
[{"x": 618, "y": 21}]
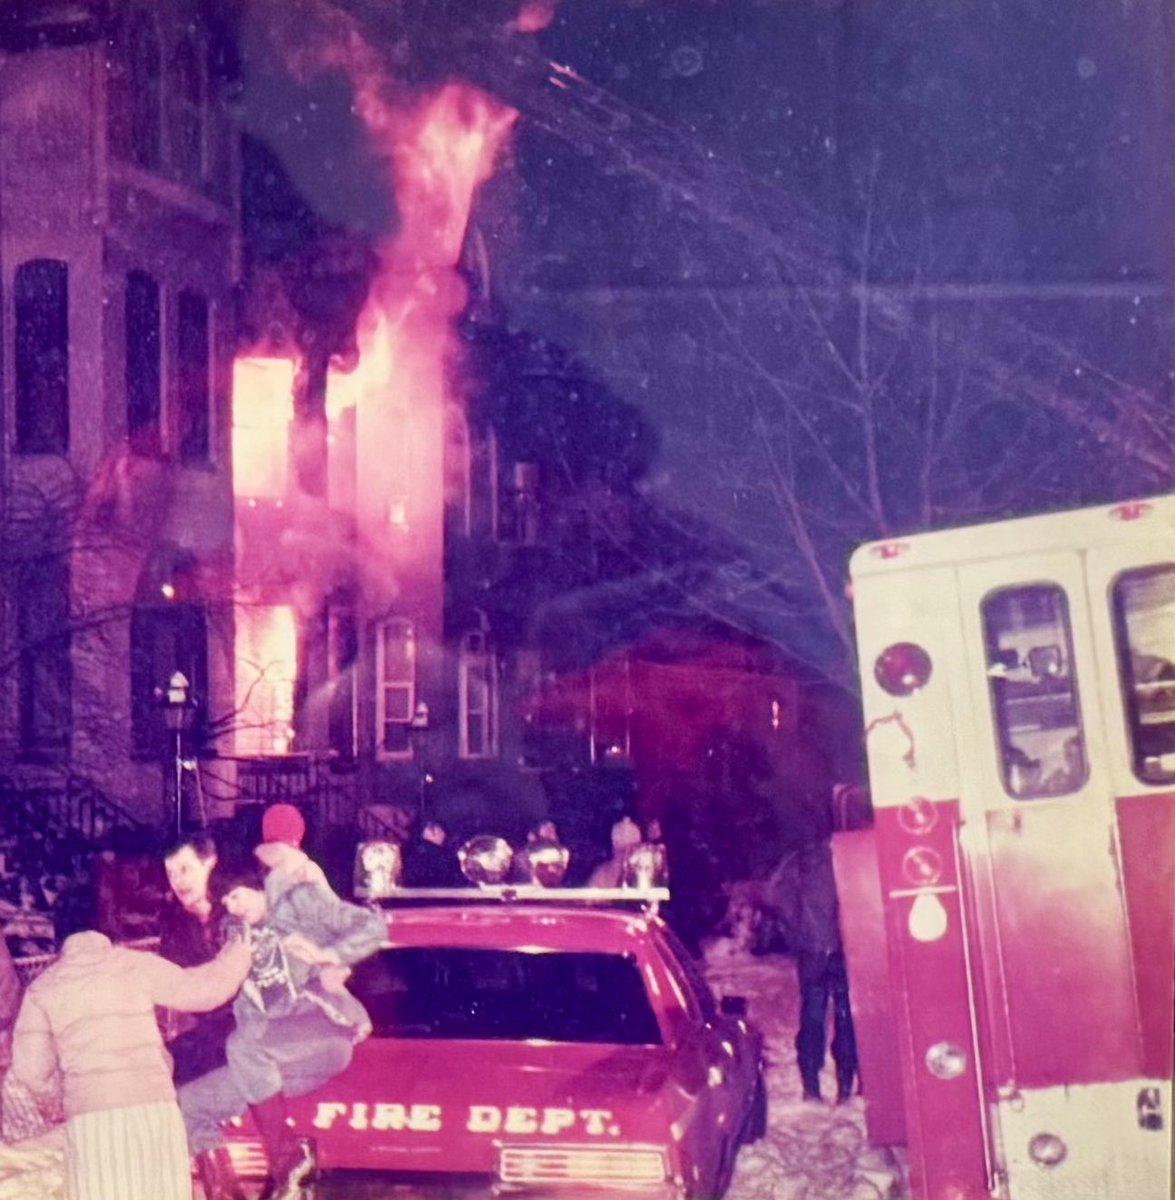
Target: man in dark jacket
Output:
[
  {"x": 187, "y": 937},
  {"x": 429, "y": 862},
  {"x": 803, "y": 889}
]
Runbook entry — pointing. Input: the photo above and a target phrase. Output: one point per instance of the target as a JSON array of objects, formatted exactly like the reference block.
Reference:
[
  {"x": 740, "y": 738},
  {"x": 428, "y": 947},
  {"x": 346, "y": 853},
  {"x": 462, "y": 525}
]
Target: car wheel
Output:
[{"x": 755, "y": 1125}]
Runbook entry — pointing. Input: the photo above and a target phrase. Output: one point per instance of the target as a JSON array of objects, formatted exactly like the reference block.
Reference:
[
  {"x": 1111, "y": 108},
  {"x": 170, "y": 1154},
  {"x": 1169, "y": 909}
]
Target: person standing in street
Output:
[{"x": 87, "y": 1026}]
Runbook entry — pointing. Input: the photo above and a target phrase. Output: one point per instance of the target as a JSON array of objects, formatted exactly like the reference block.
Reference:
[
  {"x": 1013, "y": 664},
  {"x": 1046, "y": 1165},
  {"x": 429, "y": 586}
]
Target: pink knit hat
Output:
[{"x": 282, "y": 823}]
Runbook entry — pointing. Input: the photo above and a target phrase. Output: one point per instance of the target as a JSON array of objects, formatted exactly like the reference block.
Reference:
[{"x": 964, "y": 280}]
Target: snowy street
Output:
[{"x": 811, "y": 1151}]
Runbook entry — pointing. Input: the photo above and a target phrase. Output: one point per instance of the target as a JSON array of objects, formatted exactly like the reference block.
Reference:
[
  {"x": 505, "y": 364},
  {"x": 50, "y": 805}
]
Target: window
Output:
[
  {"x": 460, "y": 993},
  {"x": 1144, "y": 626},
  {"x": 457, "y": 473},
  {"x": 143, "y": 56},
  {"x": 42, "y": 357},
  {"x": 477, "y": 671},
  {"x": 143, "y": 363},
  {"x": 396, "y": 666},
  {"x": 187, "y": 121},
  {"x": 1033, "y": 691},
  {"x": 520, "y": 514},
  {"x": 192, "y": 382},
  {"x": 44, "y": 665}
]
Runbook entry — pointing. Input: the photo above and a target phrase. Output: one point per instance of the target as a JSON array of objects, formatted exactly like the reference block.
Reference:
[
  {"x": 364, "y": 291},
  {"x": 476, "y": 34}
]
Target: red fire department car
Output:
[{"x": 535, "y": 1044}]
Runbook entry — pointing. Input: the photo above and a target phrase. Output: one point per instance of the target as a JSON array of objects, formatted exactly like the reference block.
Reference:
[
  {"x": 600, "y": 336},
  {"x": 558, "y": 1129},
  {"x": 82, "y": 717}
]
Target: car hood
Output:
[{"x": 438, "y": 1105}]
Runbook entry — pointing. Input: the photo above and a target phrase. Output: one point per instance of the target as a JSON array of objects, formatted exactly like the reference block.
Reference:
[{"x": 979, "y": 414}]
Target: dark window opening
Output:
[
  {"x": 145, "y": 90},
  {"x": 166, "y": 639},
  {"x": 187, "y": 126},
  {"x": 42, "y": 357},
  {"x": 192, "y": 383},
  {"x": 143, "y": 363},
  {"x": 45, "y": 671},
  {"x": 507, "y": 995}
]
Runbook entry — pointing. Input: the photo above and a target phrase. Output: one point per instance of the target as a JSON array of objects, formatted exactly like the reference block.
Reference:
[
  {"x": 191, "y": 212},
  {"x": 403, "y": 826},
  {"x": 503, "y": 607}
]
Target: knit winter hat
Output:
[{"x": 283, "y": 823}]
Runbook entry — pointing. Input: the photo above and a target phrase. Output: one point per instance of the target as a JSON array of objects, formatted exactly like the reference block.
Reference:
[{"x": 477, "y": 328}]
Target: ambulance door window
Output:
[
  {"x": 1144, "y": 627},
  {"x": 1033, "y": 691}
]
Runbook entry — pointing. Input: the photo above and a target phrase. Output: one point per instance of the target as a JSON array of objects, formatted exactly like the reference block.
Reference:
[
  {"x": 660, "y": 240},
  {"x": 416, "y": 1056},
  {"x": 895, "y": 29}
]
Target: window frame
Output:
[
  {"x": 41, "y": 336},
  {"x": 1127, "y": 681},
  {"x": 383, "y": 683},
  {"x": 144, "y": 57},
  {"x": 192, "y": 383},
  {"x": 476, "y": 650},
  {"x": 998, "y": 708},
  {"x": 144, "y": 388},
  {"x": 188, "y": 112}
]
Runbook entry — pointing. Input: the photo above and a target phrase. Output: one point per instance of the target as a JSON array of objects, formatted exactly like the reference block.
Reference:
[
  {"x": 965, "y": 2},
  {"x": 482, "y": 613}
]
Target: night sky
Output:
[{"x": 656, "y": 216}]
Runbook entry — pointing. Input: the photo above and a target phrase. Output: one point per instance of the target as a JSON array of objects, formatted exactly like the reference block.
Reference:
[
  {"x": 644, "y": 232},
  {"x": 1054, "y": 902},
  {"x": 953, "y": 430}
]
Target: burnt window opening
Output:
[
  {"x": 143, "y": 363},
  {"x": 193, "y": 384},
  {"x": 145, "y": 90},
  {"x": 44, "y": 664},
  {"x": 1144, "y": 630},
  {"x": 1033, "y": 688},
  {"x": 186, "y": 89},
  {"x": 166, "y": 638},
  {"x": 42, "y": 357}
]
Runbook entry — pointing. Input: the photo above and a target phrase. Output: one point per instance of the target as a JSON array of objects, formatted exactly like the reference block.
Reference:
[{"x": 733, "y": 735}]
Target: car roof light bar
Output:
[{"x": 508, "y": 893}]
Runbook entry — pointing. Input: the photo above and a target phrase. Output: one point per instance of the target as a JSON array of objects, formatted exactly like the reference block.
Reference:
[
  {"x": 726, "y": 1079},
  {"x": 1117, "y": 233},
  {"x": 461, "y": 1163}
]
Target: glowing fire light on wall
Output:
[{"x": 266, "y": 666}]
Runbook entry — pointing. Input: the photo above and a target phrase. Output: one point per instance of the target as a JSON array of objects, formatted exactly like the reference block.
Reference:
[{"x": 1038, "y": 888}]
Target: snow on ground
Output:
[{"x": 811, "y": 1151}]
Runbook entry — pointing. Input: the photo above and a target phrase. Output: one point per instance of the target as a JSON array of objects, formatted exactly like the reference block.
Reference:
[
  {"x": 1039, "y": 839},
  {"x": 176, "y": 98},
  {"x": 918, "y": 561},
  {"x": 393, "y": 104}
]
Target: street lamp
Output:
[{"x": 177, "y": 716}]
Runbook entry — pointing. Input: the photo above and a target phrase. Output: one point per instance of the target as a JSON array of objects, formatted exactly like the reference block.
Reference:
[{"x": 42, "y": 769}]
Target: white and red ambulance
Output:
[{"x": 1011, "y": 915}]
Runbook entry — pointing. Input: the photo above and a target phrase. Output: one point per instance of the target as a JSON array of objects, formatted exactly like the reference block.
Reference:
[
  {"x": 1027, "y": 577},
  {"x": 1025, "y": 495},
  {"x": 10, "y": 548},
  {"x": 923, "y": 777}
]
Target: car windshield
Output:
[{"x": 506, "y": 995}]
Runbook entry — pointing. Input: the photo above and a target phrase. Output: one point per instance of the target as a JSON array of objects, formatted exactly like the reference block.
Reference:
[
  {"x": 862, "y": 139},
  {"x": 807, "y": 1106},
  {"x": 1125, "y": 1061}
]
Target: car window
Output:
[
  {"x": 507, "y": 995},
  {"x": 701, "y": 998}
]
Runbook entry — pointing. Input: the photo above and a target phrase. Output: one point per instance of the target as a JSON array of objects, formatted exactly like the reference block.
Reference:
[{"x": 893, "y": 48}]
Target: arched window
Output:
[
  {"x": 146, "y": 89},
  {"x": 143, "y": 362},
  {"x": 477, "y": 686},
  {"x": 42, "y": 357},
  {"x": 186, "y": 91},
  {"x": 457, "y": 472}
]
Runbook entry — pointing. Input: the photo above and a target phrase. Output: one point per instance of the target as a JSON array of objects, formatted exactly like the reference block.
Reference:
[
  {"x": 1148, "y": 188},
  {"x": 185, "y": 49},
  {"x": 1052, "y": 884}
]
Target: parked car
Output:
[{"x": 535, "y": 1047}]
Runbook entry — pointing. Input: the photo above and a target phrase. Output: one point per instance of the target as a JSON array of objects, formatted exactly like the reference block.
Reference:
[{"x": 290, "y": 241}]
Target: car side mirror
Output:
[{"x": 733, "y": 1006}]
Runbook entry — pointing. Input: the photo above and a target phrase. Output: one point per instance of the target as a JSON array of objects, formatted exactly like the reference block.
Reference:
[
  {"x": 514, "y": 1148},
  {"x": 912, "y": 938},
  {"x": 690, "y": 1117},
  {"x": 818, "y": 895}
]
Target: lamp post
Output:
[{"x": 177, "y": 715}]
